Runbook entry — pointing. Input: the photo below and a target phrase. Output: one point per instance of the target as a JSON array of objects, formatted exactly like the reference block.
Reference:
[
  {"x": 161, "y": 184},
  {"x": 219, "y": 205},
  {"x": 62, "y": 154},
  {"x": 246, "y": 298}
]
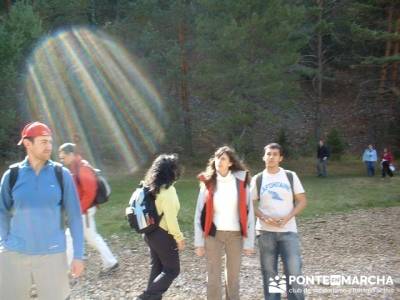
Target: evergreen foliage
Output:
[
  {"x": 336, "y": 144},
  {"x": 18, "y": 32},
  {"x": 283, "y": 141},
  {"x": 227, "y": 69}
]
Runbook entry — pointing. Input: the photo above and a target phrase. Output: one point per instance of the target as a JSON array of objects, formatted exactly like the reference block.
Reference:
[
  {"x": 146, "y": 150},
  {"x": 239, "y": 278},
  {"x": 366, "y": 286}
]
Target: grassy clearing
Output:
[{"x": 347, "y": 188}]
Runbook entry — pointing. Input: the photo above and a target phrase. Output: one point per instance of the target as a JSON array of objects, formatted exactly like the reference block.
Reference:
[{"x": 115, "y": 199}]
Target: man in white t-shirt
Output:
[{"x": 275, "y": 208}]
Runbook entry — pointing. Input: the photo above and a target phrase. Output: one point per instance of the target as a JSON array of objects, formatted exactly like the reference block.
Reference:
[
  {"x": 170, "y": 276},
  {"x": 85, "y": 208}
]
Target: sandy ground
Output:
[{"x": 360, "y": 243}]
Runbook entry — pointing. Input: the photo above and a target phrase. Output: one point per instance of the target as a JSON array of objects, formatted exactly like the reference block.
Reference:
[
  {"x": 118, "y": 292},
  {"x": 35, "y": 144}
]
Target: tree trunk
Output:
[
  {"x": 318, "y": 118},
  {"x": 117, "y": 7},
  {"x": 387, "y": 53},
  {"x": 8, "y": 5},
  {"x": 395, "y": 67},
  {"x": 382, "y": 105},
  {"x": 92, "y": 8},
  {"x": 184, "y": 91}
]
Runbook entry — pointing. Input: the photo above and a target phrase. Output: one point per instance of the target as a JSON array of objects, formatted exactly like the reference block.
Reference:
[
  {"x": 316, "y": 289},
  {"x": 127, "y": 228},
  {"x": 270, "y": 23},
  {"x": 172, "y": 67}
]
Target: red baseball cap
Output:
[{"x": 33, "y": 130}]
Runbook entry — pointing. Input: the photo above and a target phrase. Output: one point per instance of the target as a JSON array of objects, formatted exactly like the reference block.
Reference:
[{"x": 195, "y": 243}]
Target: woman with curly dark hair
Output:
[
  {"x": 166, "y": 240},
  {"x": 224, "y": 219}
]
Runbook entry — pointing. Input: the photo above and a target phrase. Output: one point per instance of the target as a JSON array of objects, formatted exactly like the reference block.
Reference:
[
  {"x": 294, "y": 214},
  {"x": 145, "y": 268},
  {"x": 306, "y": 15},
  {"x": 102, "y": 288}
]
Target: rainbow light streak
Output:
[
  {"x": 48, "y": 74},
  {"x": 83, "y": 83},
  {"x": 132, "y": 124}
]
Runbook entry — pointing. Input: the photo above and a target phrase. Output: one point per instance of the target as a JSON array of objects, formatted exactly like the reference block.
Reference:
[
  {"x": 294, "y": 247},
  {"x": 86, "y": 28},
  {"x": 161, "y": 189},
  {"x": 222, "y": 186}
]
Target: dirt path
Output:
[{"x": 361, "y": 243}]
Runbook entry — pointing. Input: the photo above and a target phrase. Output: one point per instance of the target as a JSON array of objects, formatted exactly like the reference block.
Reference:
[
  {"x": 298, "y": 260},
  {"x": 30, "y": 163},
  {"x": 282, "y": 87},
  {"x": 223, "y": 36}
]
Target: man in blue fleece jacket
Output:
[{"x": 32, "y": 238}]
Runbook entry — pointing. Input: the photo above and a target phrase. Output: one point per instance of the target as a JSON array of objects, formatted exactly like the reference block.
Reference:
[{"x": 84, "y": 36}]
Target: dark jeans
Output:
[
  {"x": 386, "y": 169},
  {"x": 370, "y": 168},
  {"x": 321, "y": 167},
  {"x": 165, "y": 265}
]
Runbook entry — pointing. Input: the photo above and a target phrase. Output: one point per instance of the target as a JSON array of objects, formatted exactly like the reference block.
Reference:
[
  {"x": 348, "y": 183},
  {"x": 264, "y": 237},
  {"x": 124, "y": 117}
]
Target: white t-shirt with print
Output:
[{"x": 276, "y": 199}]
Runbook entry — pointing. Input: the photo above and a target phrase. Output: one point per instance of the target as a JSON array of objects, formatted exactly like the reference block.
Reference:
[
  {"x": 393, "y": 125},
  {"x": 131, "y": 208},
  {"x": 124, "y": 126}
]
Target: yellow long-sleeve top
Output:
[{"x": 167, "y": 202}]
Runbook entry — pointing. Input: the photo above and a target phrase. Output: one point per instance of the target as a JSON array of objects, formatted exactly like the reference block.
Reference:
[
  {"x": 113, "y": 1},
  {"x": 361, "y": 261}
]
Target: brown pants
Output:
[{"x": 231, "y": 242}]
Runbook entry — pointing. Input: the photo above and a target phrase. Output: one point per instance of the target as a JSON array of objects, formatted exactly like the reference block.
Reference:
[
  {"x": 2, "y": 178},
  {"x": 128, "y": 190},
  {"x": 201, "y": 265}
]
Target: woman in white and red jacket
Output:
[{"x": 224, "y": 220}]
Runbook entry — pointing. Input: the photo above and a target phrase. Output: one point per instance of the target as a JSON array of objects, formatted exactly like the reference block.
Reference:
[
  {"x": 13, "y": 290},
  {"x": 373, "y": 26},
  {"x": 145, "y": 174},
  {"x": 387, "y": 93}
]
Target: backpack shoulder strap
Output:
[
  {"x": 14, "y": 170},
  {"x": 59, "y": 175},
  {"x": 258, "y": 184},
  {"x": 289, "y": 175},
  {"x": 58, "y": 170},
  {"x": 155, "y": 207}
]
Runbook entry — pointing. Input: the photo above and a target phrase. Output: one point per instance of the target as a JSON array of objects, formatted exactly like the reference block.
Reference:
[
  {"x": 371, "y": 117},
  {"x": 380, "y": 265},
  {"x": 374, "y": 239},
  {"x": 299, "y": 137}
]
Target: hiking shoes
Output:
[{"x": 109, "y": 270}]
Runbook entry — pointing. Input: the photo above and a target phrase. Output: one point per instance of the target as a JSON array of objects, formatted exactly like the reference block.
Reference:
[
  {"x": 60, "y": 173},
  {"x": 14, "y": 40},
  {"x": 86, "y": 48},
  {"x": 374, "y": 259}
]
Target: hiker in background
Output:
[
  {"x": 166, "y": 240},
  {"x": 224, "y": 221},
  {"x": 86, "y": 184},
  {"x": 34, "y": 195},
  {"x": 386, "y": 163},
  {"x": 322, "y": 159},
  {"x": 278, "y": 197},
  {"x": 370, "y": 158}
]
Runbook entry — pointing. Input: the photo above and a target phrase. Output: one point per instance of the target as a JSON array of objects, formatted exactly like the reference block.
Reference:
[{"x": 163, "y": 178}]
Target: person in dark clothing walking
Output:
[
  {"x": 167, "y": 240},
  {"x": 322, "y": 159}
]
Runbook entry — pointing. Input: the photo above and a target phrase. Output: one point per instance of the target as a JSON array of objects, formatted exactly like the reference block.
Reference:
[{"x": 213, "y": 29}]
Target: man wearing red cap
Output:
[{"x": 32, "y": 208}]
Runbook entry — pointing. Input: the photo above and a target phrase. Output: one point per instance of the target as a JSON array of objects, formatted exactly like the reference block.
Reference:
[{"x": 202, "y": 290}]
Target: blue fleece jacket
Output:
[
  {"x": 370, "y": 155},
  {"x": 30, "y": 221}
]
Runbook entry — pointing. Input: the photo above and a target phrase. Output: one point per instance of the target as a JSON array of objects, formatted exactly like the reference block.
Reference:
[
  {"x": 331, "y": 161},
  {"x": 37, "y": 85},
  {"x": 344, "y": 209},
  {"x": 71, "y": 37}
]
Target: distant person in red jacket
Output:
[
  {"x": 86, "y": 184},
  {"x": 387, "y": 159}
]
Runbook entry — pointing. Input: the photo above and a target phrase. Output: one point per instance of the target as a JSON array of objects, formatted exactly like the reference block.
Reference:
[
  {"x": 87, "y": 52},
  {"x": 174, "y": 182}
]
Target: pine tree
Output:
[
  {"x": 247, "y": 52},
  {"x": 376, "y": 24},
  {"x": 336, "y": 144},
  {"x": 18, "y": 32},
  {"x": 160, "y": 33}
]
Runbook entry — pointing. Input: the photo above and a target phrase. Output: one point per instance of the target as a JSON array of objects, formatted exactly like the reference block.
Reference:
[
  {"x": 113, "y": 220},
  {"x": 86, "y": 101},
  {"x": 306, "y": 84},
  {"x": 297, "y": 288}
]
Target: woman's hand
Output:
[
  {"x": 181, "y": 245},
  {"x": 200, "y": 251},
  {"x": 248, "y": 252}
]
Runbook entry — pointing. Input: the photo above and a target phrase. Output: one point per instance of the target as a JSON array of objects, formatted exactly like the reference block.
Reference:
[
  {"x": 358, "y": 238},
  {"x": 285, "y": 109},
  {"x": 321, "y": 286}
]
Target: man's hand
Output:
[
  {"x": 181, "y": 245},
  {"x": 270, "y": 221},
  {"x": 281, "y": 222},
  {"x": 277, "y": 222},
  {"x": 248, "y": 252},
  {"x": 77, "y": 268},
  {"x": 200, "y": 251}
]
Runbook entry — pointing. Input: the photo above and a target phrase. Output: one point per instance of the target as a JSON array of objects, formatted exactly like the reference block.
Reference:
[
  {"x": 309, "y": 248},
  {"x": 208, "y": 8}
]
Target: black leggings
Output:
[
  {"x": 386, "y": 169},
  {"x": 165, "y": 266}
]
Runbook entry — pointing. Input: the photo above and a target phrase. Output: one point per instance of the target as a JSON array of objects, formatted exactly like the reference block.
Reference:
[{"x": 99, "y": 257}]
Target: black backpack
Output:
[
  {"x": 103, "y": 187},
  {"x": 142, "y": 213}
]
